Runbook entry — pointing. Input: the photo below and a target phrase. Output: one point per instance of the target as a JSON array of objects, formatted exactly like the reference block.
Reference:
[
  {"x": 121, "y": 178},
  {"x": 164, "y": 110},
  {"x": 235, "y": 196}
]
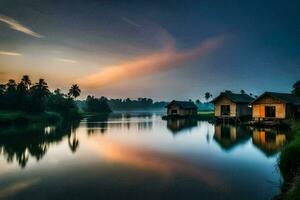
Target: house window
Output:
[
  {"x": 225, "y": 109},
  {"x": 270, "y": 111},
  {"x": 174, "y": 111}
]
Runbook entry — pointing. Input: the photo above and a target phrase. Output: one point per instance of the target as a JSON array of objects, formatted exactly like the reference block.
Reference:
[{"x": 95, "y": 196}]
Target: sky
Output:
[{"x": 159, "y": 49}]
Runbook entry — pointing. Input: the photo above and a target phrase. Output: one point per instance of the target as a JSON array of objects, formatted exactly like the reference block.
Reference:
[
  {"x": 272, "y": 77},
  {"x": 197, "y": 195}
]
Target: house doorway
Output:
[
  {"x": 225, "y": 110},
  {"x": 174, "y": 112},
  {"x": 270, "y": 111}
]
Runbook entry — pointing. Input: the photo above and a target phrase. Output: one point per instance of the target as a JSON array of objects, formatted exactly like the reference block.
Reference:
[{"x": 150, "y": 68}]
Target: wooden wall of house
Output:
[
  {"x": 225, "y": 101},
  {"x": 243, "y": 110},
  {"x": 174, "y": 107},
  {"x": 258, "y": 108}
]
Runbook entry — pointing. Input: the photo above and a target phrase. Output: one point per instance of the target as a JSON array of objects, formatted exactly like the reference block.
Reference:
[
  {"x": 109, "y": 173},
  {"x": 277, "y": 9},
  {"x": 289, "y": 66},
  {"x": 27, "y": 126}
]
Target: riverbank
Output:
[
  {"x": 289, "y": 165},
  {"x": 19, "y": 117}
]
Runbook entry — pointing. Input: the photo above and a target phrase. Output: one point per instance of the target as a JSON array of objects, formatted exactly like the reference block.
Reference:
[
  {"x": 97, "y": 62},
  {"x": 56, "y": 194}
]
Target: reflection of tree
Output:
[
  {"x": 178, "y": 125},
  {"x": 143, "y": 125},
  {"x": 73, "y": 142},
  {"x": 38, "y": 150},
  {"x": 229, "y": 136},
  {"x": 20, "y": 143},
  {"x": 97, "y": 123}
]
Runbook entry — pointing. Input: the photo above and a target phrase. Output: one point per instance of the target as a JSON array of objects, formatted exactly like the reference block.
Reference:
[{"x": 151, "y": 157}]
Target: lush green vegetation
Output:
[
  {"x": 97, "y": 105},
  {"x": 289, "y": 164},
  {"x": 296, "y": 89},
  {"x": 205, "y": 115},
  {"x": 135, "y": 104},
  {"x": 121, "y": 104},
  {"x": 26, "y": 102},
  {"x": 16, "y": 117}
]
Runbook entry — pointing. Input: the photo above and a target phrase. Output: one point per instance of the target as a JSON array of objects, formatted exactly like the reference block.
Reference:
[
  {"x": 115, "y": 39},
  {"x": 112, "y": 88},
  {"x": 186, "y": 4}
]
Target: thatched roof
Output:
[
  {"x": 285, "y": 97},
  {"x": 183, "y": 104},
  {"x": 237, "y": 98}
]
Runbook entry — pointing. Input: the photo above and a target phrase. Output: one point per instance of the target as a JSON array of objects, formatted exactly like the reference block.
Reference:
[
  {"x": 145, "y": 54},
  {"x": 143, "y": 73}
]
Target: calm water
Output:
[{"x": 139, "y": 156}]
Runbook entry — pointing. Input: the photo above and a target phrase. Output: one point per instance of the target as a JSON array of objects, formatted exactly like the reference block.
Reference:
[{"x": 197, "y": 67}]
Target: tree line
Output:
[
  {"x": 140, "y": 103},
  {"x": 37, "y": 98},
  {"x": 93, "y": 104}
]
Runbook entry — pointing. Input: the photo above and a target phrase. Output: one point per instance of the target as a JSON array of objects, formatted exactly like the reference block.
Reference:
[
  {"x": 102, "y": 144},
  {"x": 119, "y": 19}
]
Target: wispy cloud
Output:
[
  {"x": 15, "y": 25},
  {"x": 67, "y": 60},
  {"x": 129, "y": 21},
  {"x": 164, "y": 59},
  {"x": 8, "y": 53}
]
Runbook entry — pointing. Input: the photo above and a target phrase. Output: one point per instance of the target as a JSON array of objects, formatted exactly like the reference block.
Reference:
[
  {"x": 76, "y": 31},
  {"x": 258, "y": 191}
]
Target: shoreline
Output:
[
  {"x": 289, "y": 165},
  {"x": 11, "y": 118}
]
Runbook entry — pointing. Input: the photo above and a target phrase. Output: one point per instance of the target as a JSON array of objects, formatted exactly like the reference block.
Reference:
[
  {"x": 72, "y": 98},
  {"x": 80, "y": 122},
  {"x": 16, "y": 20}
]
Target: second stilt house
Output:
[
  {"x": 232, "y": 105},
  {"x": 276, "y": 106}
]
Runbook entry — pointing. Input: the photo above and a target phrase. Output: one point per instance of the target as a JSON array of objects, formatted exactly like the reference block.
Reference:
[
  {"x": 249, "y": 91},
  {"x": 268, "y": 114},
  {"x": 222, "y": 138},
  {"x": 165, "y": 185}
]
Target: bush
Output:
[{"x": 289, "y": 164}]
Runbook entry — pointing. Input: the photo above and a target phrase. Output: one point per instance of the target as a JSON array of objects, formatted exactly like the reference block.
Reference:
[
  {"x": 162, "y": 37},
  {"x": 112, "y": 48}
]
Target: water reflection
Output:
[
  {"x": 269, "y": 141},
  {"x": 101, "y": 123},
  {"x": 21, "y": 143},
  {"x": 178, "y": 125},
  {"x": 164, "y": 164},
  {"x": 96, "y": 124},
  {"x": 229, "y": 136},
  {"x": 133, "y": 152}
]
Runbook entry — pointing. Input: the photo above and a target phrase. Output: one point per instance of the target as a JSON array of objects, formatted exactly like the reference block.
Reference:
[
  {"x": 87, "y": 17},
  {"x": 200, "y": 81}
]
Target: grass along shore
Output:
[
  {"x": 289, "y": 165},
  {"x": 19, "y": 117}
]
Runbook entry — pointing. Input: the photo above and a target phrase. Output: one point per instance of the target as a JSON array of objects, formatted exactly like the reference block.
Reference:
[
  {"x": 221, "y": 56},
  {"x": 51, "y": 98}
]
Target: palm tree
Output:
[
  {"x": 207, "y": 96},
  {"x": 2, "y": 89},
  {"x": 41, "y": 88},
  {"x": 11, "y": 95},
  {"x": 74, "y": 91},
  {"x": 26, "y": 81},
  {"x": 11, "y": 84},
  {"x": 11, "y": 88},
  {"x": 296, "y": 88},
  {"x": 37, "y": 95}
]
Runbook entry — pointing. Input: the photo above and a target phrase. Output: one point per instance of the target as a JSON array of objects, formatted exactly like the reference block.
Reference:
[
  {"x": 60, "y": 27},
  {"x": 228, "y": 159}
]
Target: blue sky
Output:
[{"x": 159, "y": 49}]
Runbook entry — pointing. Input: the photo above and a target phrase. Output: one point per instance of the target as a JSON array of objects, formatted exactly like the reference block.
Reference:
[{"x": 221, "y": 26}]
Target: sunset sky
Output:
[{"x": 159, "y": 49}]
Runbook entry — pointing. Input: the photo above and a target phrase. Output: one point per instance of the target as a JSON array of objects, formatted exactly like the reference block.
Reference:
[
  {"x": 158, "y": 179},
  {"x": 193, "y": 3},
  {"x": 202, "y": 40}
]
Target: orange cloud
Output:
[{"x": 167, "y": 58}]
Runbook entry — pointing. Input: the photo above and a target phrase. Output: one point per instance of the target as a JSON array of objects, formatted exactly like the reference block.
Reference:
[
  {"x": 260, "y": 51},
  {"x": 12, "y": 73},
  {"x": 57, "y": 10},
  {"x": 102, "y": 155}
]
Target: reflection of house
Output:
[
  {"x": 181, "y": 108},
  {"x": 231, "y": 105},
  {"x": 271, "y": 105},
  {"x": 269, "y": 142},
  {"x": 177, "y": 125},
  {"x": 228, "y": 136}
]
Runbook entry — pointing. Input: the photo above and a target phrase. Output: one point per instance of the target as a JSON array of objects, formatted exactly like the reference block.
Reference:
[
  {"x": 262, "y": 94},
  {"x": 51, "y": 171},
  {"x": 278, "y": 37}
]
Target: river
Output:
[{"x": 139, "y": 156}]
